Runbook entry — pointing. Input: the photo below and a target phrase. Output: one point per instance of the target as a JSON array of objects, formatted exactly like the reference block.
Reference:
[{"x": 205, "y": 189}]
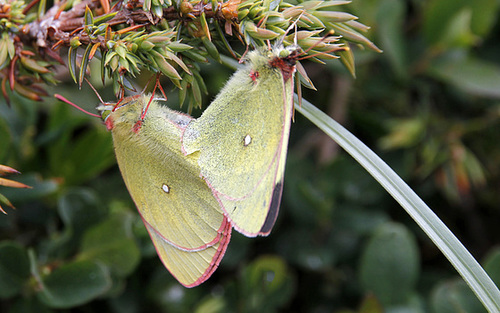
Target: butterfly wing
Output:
[
  {"x": 182, "y": 216},
  {"x": 242, "y": 139},
  {"x": 191, "y": 268}
]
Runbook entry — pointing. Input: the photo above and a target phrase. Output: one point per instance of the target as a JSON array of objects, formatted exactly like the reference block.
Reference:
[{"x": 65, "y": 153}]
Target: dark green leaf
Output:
[
  {"x": 14, "y": 269},
  {"x": 83, "y": 65},
  {"x": 72, "y": 62},
  {"x": 6, "y": 141},
  {"x": 472, "y": 75},
  {"x": 111, "y": 243},
  {"x": 29, "y": 305},
  {"x": 267, "y": 284},
  {"x": 391, "y": 18},
  {"x": 454, "y": 296},
  {"x": 440, "y": 13},
  {"x": 389, "y": 266},
  {"x": 40, "y": 188},
  {"x": 88, "y": 17},
  {"x": 492, "y": 265},
  {"x": 79, "y": 209},
  {"x": 74, "y": 284}
]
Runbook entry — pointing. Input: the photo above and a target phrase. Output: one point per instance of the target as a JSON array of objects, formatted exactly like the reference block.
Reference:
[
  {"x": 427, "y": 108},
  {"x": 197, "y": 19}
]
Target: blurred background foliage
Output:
[{"x": 429, "y": 105}]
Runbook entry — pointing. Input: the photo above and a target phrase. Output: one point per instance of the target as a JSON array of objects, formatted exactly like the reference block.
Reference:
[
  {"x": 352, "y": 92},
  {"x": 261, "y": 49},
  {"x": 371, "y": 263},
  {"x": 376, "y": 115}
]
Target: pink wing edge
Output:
[{"x": 223, "y": 237}]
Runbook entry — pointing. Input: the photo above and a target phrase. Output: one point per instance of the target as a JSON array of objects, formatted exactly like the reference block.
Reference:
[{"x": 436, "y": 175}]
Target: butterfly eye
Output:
[{"x": 104, "y": 113}]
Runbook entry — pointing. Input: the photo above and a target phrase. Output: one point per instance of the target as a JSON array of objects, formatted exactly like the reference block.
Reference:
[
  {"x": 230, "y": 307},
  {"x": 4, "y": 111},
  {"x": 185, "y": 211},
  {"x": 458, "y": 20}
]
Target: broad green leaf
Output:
[
  {"x": 14, "y": 268},
  {"x": 79, "y": 209},
  {"x": 90, "y": 161},
  {"x": 390, "y": 264},
  {"x": 469, "y": 74},
  {"x": 40, "y": 188},
  {"x": 439, "y": 14},
  {"x": 69, "y": 148},
  {"x": 391, "y": 18},
  {"x": 74, "y": 284},
  {"x": 211, "y": 305},
  {"x": 457, "y": 33},
  {"x": 270, "y": 271},
  {"x": 267, "y": 284},
  {"x": 454, "y": 296},
  {"x": 112, "y": 244}
]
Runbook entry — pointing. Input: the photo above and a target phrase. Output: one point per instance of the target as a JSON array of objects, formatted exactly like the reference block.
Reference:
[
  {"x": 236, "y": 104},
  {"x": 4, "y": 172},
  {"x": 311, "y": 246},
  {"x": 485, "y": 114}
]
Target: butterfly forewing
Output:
[{"x": 242, "y": 138}]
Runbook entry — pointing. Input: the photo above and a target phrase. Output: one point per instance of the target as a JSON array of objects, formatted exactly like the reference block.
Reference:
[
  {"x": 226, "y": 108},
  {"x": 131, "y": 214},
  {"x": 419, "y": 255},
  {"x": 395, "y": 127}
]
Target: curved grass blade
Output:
[{"x": 470, "y": 270}]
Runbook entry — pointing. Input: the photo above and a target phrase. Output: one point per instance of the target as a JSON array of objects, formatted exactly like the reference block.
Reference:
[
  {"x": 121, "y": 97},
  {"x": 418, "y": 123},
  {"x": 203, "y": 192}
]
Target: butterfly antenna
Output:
[
  {"x": 122, "y": 94},
  {"x": 293, "y": 25},
  {"x": 146, "y": 108},
  {"x": 63, "y": 99},
  {"x": 158, "y": 85},
  {"x": 95, "y": 91},
  {"x": 242, "y": 58}
]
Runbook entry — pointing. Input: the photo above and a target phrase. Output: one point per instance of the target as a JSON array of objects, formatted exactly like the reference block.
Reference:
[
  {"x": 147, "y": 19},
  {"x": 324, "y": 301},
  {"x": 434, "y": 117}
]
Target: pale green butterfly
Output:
[
  {"x": 184, "y": 220},
  {"x": 242, "y": 139}
]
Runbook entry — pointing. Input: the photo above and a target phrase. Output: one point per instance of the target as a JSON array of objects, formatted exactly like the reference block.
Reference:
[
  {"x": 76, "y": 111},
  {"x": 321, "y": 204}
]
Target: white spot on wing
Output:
[
  {"x": 165, "y": 188},
  {"x": 247, "y": 140}
]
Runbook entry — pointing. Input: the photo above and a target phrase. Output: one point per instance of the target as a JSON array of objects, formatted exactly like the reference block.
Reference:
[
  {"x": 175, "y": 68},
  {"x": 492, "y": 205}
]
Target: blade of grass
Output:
[
  {"x": 465, "y": 264},
  {"x": 452, "y": 248}
]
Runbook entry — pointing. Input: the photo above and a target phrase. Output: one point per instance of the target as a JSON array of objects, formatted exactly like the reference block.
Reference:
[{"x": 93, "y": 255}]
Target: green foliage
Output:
[
  {"x": 492, "y": 265},
  {"x": 389, "y": 264},
  {"x": 14, "y": 268},
  {"x": 67, "y": 149},
  {"x": 73, "y": 284},
  {"x": 163, "y": 37},
  {"x": 454, "y": 296}
]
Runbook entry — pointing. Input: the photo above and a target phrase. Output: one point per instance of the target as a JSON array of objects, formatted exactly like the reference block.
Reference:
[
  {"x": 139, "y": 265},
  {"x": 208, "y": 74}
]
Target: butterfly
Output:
[
  {"x": 183, "y": 218},
  {"x": 242, "y": 139}
]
